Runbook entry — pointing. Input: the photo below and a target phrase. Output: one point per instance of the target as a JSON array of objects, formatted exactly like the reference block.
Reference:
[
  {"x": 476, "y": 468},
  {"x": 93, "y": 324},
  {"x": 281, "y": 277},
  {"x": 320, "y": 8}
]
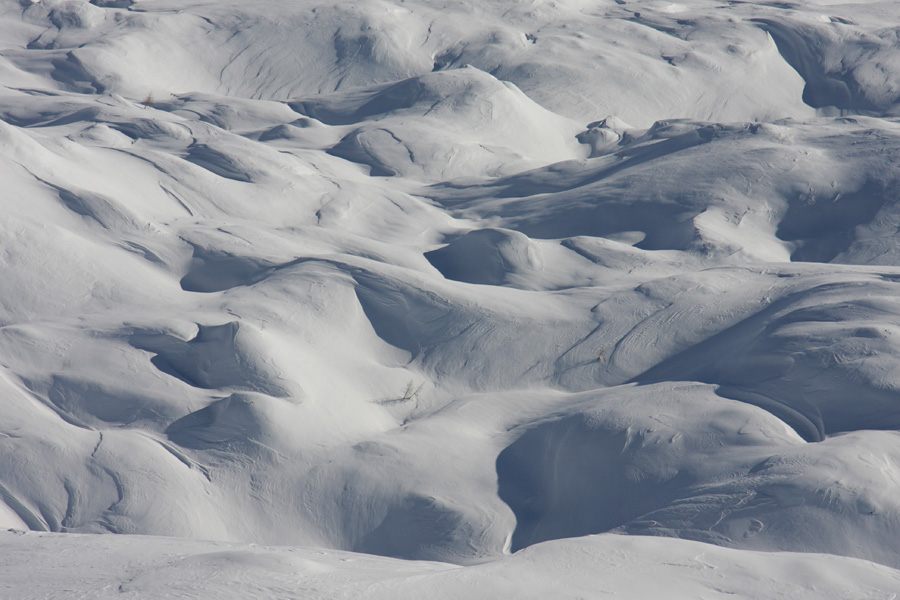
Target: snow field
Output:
[{"x": 450, "y": 282}]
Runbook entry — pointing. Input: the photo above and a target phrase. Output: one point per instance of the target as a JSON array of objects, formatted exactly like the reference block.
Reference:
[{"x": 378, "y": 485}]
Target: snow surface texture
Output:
[{"x": 444, "y": 281}]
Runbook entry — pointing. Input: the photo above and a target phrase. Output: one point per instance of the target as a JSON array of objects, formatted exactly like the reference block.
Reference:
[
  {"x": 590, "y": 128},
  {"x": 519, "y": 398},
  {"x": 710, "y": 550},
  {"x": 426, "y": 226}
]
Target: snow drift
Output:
[{"x": 449, "y": 281}]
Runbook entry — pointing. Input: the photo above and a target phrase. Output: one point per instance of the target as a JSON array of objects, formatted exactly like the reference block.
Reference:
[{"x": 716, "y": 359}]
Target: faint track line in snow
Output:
[
  {"x": 97, "y": 447},
  {"x": 71, "y": 504},
  {"x": 184, "y": 459},
  {"x": 29, "y": 518},
  {"x": 120, "y": 489}
]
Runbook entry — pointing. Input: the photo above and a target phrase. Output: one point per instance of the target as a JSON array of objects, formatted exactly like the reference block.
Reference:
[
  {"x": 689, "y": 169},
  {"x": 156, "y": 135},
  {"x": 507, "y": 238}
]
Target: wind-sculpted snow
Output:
[{"x": 449, "y": 281}]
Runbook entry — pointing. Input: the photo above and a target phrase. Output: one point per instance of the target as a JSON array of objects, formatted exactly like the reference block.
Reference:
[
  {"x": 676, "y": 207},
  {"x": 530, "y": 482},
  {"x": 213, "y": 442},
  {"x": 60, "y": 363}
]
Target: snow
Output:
[
  {"x": 421, "y": 298},
  {"x": 594, "y": 566}
]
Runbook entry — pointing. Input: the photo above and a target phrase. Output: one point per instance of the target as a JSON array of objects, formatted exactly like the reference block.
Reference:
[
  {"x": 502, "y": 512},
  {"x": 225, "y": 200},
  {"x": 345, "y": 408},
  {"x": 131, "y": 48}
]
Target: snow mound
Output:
[
  {"x": 844, "y": 67},
  {"x": 800, "y": 195},
  {"x": 443, "y": 125},
  {"x": 487, "y": 256}
]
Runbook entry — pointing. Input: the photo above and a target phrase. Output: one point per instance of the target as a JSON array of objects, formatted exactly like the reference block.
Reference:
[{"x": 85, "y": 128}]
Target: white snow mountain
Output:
[{"x": 419, "y": 298}]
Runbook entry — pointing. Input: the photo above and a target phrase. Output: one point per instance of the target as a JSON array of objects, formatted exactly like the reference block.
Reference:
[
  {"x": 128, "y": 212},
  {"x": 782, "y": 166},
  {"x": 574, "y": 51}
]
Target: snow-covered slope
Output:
[
  {"x": 446, "y": 281},
  {"x": 601, "y": 566}
]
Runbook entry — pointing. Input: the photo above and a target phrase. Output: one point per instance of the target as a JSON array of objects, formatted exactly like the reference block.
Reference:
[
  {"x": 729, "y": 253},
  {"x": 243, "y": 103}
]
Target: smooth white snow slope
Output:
[
  {"x": 97, "y": 567},
  {"x": 457, "y": 282}
]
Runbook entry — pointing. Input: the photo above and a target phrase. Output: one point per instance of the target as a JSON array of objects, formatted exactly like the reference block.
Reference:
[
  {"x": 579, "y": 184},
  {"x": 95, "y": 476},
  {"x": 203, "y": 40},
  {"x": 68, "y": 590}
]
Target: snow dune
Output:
[{"x": 464, "y": 283}]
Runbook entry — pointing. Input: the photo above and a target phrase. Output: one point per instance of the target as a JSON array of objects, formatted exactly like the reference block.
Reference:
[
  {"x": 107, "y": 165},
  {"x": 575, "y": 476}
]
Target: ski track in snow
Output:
[{"x": 465, "y": 284}]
